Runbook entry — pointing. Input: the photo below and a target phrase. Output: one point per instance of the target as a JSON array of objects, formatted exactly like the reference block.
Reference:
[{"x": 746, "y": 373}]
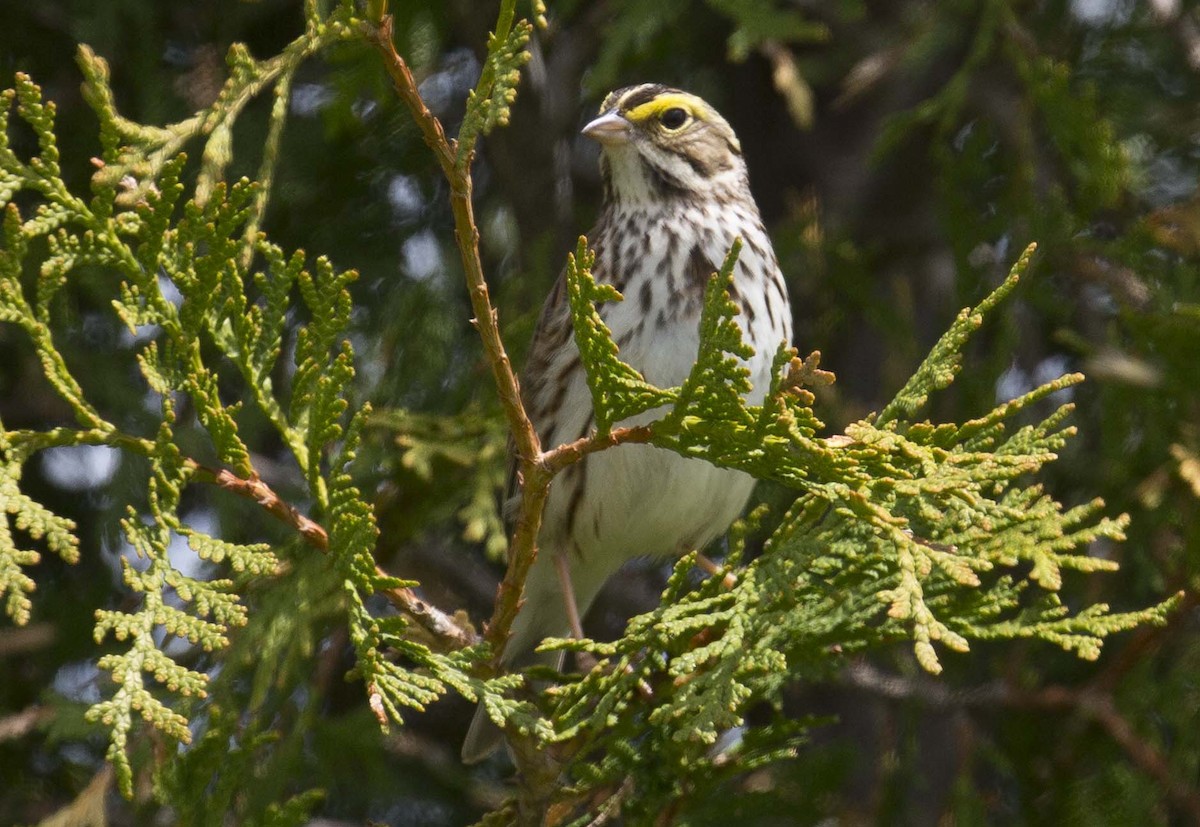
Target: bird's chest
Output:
[{"x": 662, "y": 264}]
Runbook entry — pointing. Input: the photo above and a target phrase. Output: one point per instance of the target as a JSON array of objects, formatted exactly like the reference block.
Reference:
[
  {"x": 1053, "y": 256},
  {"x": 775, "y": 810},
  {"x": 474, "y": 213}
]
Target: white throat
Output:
[{"x": 628, "y": 175}]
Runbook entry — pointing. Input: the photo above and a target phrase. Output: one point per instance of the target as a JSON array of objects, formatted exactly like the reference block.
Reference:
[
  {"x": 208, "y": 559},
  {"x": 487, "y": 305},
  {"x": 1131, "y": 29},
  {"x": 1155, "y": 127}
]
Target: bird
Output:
[{"x": 676, "y": 195}]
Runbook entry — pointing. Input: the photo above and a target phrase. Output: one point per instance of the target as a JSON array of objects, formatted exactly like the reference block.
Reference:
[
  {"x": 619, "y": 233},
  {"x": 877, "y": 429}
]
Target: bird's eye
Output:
[{"x": 674, "y": 118}]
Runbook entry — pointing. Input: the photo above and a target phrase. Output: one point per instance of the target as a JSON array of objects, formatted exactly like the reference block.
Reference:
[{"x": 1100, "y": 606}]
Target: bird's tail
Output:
[{"x": 542, "y": 615}]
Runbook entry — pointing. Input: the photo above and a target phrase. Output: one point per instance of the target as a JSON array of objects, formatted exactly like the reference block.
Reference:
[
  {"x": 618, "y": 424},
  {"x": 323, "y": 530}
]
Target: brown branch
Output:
[
  {"x": 535, "y": 488},
  {"x": 257, "y": 490},
  {"x": 569, "y": 453},
  {"x": 406, "y": 87},
  {"x": 537, "y": 468},
  {"x": 535, "y": 475},
  {"x": 22, "y": 639},
  {"x": 20, "y": 724},
  {"x": 466, "y": 234},
  {"x": 522, "y": 551},
  {"x": 444, "y": 628},
  {"x": 456, "y": 167}
]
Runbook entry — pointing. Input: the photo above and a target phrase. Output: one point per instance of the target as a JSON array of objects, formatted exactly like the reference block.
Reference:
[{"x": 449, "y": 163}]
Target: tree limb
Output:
[{"x": 445, "y": 628}]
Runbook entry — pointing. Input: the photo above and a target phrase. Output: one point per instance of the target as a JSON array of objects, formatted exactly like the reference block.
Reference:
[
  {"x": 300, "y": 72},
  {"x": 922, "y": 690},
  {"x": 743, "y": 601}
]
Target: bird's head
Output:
[{"x": 658, "y": 143}]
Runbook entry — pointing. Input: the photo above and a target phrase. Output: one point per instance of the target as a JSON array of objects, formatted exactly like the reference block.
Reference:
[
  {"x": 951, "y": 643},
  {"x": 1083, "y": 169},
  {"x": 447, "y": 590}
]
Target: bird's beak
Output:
[{"x": 610, "y": 129}]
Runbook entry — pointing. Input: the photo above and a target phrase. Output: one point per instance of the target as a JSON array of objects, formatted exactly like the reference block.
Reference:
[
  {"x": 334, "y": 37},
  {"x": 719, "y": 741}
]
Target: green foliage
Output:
[
  {"x": 352, "y": 535},
  {"x": 905, "y": 533},
  {"x": 943, "y": 363},
  {"x": 460, "y": 462},
  {"x": 637, "y": 28},
  {"x": 215, "y": 610},
  {"x": 229, "y": 320},
  {"x": 31, "y": 517},
  {"x": 208, "y": 783},
  {"x": 146, "y": 234},
  {"x": 909, "y": 530},
  {"x": 618, "y": 391},
  {"x": 1064, "y": 126},
  {"x": 488, "y": 103}
]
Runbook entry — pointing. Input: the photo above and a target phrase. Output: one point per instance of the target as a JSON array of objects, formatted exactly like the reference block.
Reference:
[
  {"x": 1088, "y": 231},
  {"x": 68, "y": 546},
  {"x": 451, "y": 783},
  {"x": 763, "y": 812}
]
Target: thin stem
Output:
[
  {"x": 563, "y": 566},
  {"x": 535, "y": 480},
  {"x": 270, "y": 162},
  {"x": 709, "y": 567},
  {"x": 443, "y": 627},
  {"x": 570, "y": 453},
  {"x": 467, "y": 235},
  {"x": 522, "y": 551}
]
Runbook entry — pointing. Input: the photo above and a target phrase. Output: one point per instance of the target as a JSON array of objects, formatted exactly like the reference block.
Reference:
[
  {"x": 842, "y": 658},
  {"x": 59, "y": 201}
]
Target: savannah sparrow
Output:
[{"x": 676, "y": 195}]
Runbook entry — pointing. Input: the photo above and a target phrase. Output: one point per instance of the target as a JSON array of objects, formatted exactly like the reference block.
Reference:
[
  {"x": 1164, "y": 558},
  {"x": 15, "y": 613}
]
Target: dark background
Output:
[{"x": 924, "y": 146}]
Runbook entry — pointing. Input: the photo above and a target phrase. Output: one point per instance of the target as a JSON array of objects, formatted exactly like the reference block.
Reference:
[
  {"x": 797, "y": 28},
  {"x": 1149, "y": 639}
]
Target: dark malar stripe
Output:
[
  {"x": 698, "y": 166},
  {"x": 665, "y": 185}
]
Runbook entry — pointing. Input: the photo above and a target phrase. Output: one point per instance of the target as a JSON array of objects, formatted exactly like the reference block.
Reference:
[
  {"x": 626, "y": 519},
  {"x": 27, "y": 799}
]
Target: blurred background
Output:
[{"x": 903, "y": 153}]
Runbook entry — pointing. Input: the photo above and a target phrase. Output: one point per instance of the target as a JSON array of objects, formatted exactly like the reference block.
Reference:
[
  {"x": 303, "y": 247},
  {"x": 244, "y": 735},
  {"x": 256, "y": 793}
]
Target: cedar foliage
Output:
[{"x": 909, "y": 530}]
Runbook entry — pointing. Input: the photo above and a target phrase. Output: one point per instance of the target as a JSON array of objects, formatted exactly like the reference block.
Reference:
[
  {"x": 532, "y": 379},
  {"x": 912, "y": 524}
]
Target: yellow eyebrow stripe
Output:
[{"x": 689, "y": 103}]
